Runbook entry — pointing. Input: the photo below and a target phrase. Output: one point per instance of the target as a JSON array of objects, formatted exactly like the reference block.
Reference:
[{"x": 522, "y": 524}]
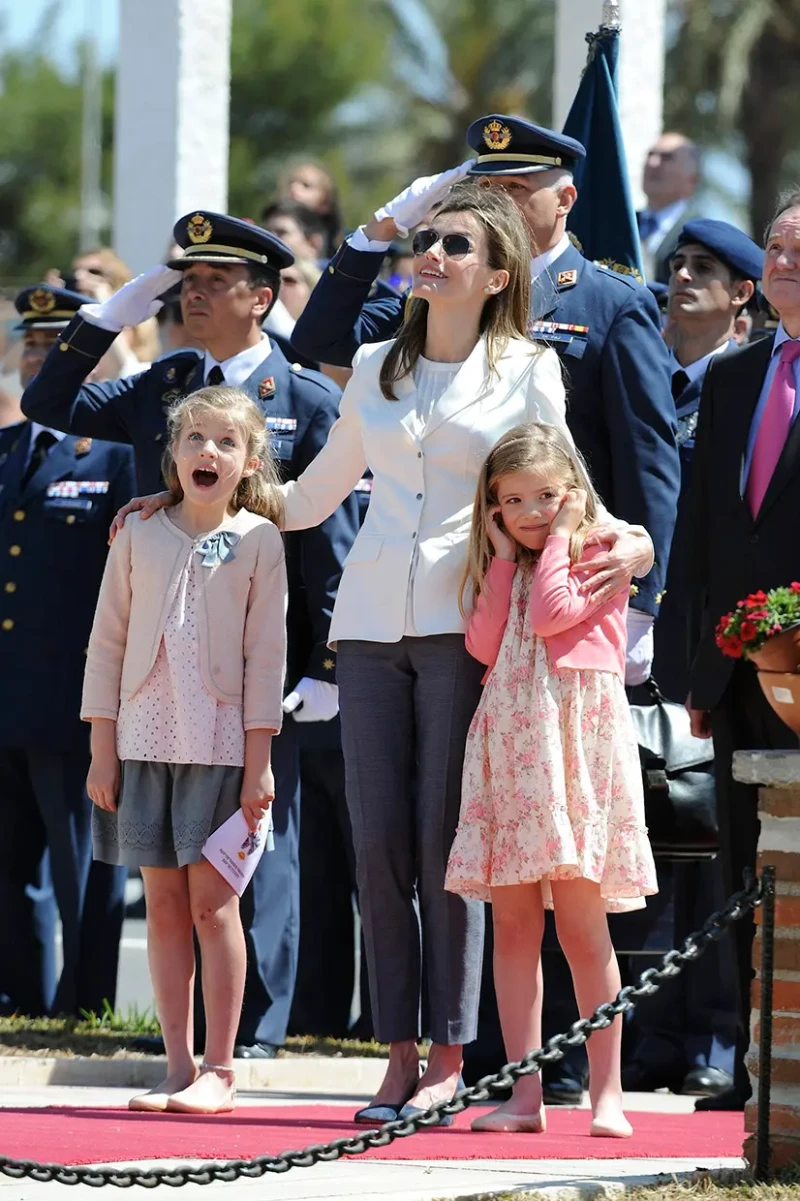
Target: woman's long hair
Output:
[
  {"x": 258, "y": 493},
  {"x": 536, "y": 447},
  {"x": 505, "y": 313}
]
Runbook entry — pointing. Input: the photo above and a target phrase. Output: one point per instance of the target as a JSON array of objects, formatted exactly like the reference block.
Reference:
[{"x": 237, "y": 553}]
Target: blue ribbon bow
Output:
[{"x": 218, "y": 548}]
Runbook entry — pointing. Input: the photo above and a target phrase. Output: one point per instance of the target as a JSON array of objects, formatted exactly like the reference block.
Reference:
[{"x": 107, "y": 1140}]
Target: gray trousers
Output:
[{"x": 406, "y": 708}]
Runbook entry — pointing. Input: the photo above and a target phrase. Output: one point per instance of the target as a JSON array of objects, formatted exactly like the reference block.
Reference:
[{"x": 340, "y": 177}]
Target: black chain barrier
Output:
[{"x": 737, "y": 907}]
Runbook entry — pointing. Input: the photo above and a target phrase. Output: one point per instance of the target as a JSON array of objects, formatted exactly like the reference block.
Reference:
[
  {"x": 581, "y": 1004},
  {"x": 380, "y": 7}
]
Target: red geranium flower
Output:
[{"x": 748, "y": 631}]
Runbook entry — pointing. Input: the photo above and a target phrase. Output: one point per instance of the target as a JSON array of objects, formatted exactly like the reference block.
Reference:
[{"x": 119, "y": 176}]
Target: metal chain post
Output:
[{"x": 737, "y": 907}]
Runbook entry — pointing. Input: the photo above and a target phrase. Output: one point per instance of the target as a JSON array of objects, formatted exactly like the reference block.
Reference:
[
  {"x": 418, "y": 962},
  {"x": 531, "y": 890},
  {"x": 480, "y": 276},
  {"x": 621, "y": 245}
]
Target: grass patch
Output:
[
  {"x": 112, "y": 1034},
  {"x": 722, "y": 1186}
]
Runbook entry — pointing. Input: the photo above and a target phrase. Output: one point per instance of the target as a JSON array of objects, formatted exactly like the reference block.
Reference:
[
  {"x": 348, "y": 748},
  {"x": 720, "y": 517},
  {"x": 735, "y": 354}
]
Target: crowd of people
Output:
[{"x": 513, "y": 489}]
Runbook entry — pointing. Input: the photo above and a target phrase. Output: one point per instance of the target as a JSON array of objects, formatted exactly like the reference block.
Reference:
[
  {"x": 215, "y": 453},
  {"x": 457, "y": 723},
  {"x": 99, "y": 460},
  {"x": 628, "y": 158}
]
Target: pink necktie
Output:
[{"x": 773, "y": 430}]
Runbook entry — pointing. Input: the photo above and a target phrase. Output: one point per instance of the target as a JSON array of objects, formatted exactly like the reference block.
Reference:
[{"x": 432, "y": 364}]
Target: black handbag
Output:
[{"x": 678, "y": 777}]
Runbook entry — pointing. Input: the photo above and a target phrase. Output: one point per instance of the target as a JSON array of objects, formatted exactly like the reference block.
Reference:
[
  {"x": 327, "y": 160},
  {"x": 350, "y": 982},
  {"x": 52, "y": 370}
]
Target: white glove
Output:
[
  {"x": 135, "y": 301},
  {"x": 312, "y": 700},
  {"x": 639, "y": 657},
  {"x": 409, "y": 208}
]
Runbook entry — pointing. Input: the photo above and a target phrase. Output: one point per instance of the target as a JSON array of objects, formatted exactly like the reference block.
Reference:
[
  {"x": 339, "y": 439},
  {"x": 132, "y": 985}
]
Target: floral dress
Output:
[{"x": 552, "y": 786}]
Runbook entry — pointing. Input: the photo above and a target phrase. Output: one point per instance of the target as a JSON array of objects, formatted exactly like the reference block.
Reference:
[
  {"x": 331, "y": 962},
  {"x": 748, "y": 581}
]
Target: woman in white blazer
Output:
[{"x": 422, "y": 412}]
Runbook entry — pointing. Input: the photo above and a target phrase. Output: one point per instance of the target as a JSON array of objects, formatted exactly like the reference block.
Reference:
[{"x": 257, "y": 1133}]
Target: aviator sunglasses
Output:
[{"x": 455, "y": 246}]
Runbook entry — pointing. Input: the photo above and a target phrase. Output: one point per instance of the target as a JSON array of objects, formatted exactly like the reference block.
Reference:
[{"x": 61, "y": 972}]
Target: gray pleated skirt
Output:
[{"x": 165, "y": 813}]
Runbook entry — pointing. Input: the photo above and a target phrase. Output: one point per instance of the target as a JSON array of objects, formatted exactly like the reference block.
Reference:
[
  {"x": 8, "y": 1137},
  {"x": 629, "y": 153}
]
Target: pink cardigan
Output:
[
  {"x": 241, "y": 626},
  {"x": 579, "y": 634}
]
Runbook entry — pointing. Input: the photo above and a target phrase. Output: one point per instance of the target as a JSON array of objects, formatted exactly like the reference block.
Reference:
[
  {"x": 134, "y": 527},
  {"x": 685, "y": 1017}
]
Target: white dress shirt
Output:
[
  {"x": 667, "y": 219},
  {"x": 542, "y": 262},
  {"x": 239, "y": 367},
  {"x": 700, "y": 366}
]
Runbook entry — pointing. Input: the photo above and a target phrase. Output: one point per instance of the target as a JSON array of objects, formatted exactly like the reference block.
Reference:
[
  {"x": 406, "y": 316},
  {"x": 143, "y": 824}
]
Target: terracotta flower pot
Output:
[
  {"x": 780, "y": 653},
  {"x": 782, "y": 690}
]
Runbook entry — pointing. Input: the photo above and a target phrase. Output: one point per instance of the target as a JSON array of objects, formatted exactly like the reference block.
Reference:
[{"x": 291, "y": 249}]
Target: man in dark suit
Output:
[
  {"x": 605, "y": 328},
  {"x": 230, "y": 276},
  {"x": 743, "y": 537},
  {"x": 689, "y": 1042},
  {"x": 670, "y": 180},
  {"x": 57, "y": 495}
]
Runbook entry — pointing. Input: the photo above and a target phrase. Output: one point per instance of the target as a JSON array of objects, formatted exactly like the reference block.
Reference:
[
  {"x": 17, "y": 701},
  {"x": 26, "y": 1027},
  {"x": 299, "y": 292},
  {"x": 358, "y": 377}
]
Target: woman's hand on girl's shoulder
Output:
[
  {"x": 503, "y": 546},
  {"x": 146, "y": 505}
]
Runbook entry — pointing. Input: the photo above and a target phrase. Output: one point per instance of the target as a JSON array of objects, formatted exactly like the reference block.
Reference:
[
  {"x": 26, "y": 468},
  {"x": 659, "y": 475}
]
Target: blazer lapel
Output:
[
  {"x": 470, "y": 385},
  {"x": 739, "y": 414},
  {"x": 564, "y": 273}
]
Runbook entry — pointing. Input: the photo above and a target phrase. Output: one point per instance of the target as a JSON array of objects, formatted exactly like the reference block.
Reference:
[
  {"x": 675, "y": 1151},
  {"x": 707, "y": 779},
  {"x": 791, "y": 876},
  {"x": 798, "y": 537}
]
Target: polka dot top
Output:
[{"x": 172, "y": 718}]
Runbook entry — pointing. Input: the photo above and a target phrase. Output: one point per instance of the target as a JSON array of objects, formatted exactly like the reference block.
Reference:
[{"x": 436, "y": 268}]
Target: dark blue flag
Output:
[{"x": 603, "y": 220}]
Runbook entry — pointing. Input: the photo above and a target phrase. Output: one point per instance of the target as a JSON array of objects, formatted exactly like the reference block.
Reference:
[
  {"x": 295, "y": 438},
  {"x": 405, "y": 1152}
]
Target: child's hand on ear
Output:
[
  {"x": 503, "y": 546},
  {"x": 571, "y": 513}
]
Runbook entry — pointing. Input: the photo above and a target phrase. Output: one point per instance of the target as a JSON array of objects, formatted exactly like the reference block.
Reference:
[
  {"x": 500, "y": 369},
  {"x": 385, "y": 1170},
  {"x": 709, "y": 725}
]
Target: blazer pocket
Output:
[{"x": 364, "y": 550}]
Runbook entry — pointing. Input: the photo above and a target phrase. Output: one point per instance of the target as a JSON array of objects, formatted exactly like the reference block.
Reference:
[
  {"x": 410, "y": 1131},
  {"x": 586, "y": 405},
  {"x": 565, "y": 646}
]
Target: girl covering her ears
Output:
[
  {"x": 552, "y": 809},
  {"x": 183, "y": 687}
]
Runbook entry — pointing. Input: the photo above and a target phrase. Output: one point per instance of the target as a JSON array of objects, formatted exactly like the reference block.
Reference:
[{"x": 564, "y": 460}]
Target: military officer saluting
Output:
[
  {"x": 230, "y": 278},
  {"x": 57, "y": 495}
]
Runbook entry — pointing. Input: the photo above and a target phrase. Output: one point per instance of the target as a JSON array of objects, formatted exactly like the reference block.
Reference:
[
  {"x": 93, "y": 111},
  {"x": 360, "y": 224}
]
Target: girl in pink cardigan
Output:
[
  {"x": 183, "y": 687},
  {"x": 552, "y": 810}
]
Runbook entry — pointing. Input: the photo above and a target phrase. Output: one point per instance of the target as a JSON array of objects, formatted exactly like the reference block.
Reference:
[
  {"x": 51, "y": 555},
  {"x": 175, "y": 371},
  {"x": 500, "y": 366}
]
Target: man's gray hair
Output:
[
  {"x": 562, "y": 179},
  {"x": 788, "y": 199}
]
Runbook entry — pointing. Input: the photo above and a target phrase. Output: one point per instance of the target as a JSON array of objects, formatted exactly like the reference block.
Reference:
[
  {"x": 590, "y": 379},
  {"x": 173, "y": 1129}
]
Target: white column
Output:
[
  {"x": 641, "y": 71},
  {"x": 171, "y": 120}
]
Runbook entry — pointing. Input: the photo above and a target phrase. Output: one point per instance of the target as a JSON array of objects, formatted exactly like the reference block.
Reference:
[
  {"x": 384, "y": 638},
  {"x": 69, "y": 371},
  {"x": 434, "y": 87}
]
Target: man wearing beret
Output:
[
  {"x": 230, "y": 277},
  {"x": 689, "y": 1046},
  {"x": 57, "y": 495},
  {"x": 606, "y": 330},
  {"x": 743, "y": 538}
]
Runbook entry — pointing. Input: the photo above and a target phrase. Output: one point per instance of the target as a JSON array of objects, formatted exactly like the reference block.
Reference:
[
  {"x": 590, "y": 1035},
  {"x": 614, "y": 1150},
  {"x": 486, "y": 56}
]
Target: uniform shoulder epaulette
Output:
[
  {"x": 313, "y": 377},
  {"x": 626, "y": 278}
]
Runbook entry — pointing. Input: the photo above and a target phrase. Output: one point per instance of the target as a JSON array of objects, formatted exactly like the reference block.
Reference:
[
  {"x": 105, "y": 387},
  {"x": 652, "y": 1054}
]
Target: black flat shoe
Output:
[
  {"x": 731, "y": 1100},
  {"x": 256, "y": 1051},
  {"x": 706, "y": 1082},
  {"x": 562, "y": 1092}
]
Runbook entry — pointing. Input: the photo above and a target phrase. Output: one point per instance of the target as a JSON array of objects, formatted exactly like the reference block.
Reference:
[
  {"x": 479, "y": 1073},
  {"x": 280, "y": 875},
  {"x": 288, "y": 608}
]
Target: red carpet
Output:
[{"x": 82, "y": 1136}]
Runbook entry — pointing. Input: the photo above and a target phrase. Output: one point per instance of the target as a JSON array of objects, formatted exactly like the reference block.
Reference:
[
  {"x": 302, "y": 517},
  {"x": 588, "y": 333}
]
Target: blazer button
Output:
[
  {"x": 419, "y": 496},
  {"x": 754, "y": 538},
  {"x": 419, "y": 454},
  {"x": 70, "y": 518},
  {"x": 10, "y": 587},
  {"x": 15, "y": 550},
  {"x": 8, "y": 624},
  {"x": 19, "y": 515}
]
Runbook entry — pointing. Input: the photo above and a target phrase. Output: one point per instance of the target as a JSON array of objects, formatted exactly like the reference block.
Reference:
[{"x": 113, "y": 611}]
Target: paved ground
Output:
[{"x": 373, "y": 1180}]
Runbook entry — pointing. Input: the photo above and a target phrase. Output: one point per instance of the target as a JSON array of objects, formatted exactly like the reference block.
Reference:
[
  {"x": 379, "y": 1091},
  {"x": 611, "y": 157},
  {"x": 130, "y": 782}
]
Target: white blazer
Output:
[{"x": 420, "y": 511}]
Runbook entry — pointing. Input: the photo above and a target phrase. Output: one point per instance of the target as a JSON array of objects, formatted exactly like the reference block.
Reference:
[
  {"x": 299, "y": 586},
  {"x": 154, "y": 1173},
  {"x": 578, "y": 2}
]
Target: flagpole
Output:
[{"x": 611, "y": 15}]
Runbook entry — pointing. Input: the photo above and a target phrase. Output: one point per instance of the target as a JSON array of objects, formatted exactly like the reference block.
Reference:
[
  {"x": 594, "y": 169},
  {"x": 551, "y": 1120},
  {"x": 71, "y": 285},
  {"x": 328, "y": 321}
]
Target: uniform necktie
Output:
[
  {"x": 773, "y": 429},
  {"x": 44, "y": 440},
  {"x": 680, "y": 382},
  {"x": 216, "y": 377}
]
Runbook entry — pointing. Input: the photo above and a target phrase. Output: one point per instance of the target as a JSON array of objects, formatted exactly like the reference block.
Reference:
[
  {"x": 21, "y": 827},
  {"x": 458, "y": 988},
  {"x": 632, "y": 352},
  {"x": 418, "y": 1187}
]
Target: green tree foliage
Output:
[
  {"x": 40, "y": 131},
  {"x": 732, "y": 81}
]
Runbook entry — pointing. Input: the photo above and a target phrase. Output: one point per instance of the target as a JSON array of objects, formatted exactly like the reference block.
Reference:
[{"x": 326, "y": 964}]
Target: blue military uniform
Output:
[
  {"x": 56, "y": 504},
  {"x": 299, "y": 408}
]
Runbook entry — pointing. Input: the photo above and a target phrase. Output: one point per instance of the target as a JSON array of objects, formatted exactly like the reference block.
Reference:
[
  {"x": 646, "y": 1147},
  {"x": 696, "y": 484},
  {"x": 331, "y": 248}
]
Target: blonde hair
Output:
[
  {"x": 534, "y": 447},
  {"x": 258, "y": 493},
  {"x": 505, "y": 313}
]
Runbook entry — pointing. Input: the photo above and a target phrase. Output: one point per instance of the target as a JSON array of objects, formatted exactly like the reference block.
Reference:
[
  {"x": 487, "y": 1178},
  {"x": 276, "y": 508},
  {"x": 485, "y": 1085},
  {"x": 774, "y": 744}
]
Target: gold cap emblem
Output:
[
  {"x": 42, "y": 301},
  {"x": 496, "y": 136},
  {"x": 199, "y": 229}
]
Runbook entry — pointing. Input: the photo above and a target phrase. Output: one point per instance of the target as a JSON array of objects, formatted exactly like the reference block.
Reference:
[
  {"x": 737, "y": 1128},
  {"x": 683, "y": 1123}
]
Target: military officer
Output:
[
  {"x": 689, "y": 1046},
  {"x": 606, "y": 330},
  {"x": 57, "y": 495},
  {"x": 230, "y": 276}
]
